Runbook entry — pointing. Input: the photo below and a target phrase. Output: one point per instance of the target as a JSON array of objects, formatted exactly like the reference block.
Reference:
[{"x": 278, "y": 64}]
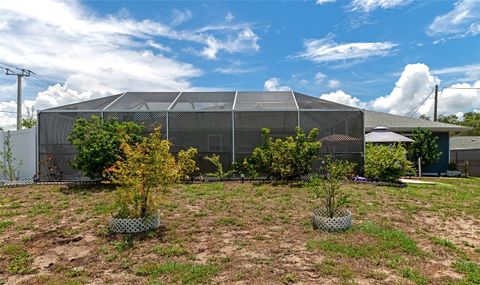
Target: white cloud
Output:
[
  {"x": 180, "y": 16},
  {"x": 326, "y": 50},
  {"x": 371, "y": 5},
  {"x": 470, "y": 71},
  {"x": 246, "y": 40},
  {"x": 334, "y": 83},
  {"x": 97, "y": 56},
  {"x": 319, "y": 77},
  {"x": 463, "y": 20},
  {"x": 414, "y": 85},
  {"x": 273, "y": 84},
  {"x": 229, "y": 17},
  {"x": 321, "y": 2},
  {"x": 341, "y": 97}
]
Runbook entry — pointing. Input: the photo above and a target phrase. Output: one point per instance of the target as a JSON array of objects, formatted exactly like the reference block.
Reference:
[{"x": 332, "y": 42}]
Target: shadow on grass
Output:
[{"x": 87, "y": 188}]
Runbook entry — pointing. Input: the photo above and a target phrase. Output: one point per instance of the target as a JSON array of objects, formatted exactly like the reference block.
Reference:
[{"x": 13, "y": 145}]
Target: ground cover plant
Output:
[{"x": 244, "y": 233}]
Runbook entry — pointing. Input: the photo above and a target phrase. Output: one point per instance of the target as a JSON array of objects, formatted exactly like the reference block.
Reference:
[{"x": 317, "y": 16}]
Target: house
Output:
[
  {"x": 405, "y": 126},
  {"x": 465, "y": 153},
  {"x": 226, "y": 123}
]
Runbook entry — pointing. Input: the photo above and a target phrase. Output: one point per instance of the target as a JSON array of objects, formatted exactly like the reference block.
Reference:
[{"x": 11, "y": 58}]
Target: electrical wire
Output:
[
  {"x": 34, "y": 83},
  {"x": 421, "y": 104}
]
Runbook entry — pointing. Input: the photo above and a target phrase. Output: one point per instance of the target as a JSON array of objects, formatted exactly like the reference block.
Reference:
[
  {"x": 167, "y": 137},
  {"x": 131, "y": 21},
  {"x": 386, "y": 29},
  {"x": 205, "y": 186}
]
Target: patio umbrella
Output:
[{"x": 383, "y": 135}]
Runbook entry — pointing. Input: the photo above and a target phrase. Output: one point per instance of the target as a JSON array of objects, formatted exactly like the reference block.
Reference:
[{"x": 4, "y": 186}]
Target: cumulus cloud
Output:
[
  {"x": 327, "y": 50},
  {"x": 371, "y": 5},
  {"x": 414, "y": 84},
  {"x": 341, "y": 97},
  {"x": 273, "y": 84},
  {"x": 463, "y": 20},
  {"x": 95, "y": 56},
  {"x": 412, "y": 88}
]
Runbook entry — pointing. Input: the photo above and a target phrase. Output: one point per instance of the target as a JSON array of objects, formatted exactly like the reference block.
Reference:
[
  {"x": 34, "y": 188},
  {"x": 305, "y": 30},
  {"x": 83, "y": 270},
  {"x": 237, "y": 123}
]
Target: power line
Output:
[
  {"x": 41, "y": 78},
  {"x": 462, "y": 88},
  {"x": 421, "y": 104},
  {"x": 33, "y": 82},
  {"x": 13, "y": 112}
]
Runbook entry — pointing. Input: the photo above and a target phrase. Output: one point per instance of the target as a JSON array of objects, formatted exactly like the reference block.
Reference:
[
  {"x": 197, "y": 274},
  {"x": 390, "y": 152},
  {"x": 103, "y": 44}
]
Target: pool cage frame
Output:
[{"x": 230, "y": 129}]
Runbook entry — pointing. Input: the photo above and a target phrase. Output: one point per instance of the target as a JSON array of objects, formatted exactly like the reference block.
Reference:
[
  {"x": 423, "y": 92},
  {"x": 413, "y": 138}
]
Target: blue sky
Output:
[{"x": 378, "y": 54}]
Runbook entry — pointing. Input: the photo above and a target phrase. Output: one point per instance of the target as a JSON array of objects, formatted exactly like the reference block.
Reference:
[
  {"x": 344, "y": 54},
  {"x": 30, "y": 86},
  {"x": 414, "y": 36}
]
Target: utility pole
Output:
[
  {"x": 20, "y": 75},
  {"x": 436, "y": 104}
]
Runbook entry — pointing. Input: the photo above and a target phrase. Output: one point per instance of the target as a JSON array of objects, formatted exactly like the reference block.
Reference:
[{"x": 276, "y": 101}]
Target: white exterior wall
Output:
[{"x": 24, "y": 149}]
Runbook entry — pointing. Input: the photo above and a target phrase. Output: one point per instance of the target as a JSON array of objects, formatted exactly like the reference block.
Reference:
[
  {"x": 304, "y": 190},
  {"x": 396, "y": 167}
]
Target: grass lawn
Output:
[{"x": 233, "y": 233}]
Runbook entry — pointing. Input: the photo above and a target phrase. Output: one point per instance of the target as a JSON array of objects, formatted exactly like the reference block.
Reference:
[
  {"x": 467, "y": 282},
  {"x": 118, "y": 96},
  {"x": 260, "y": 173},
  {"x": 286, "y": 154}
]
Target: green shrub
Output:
[
  {"x": 98, "y": 143},
  {"x": 247, "y": 168},
  {"x": 289, "y": 157},
  {"x": 186, "y": 162},
  {"x": 386, "y": 162}
]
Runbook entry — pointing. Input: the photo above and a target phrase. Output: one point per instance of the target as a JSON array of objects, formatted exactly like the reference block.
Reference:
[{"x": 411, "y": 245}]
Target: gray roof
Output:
[
  {"x": 398, "y": 123},
  {"x": 471, "y": 142},
  {"x": 383, "y": 135},
  {"x": 206, "y": 101}
]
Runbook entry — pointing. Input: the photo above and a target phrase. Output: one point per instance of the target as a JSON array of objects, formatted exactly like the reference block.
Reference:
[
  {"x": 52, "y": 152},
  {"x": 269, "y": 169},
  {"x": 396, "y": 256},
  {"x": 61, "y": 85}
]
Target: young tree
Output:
[
  {"x": 328, "y": 187},
  {"x": 8, "y": 167},
  {"x": 424, "y": 146},
  {"x": 145, "y": 172},
  {"x": 29, "y": 121},
  {"x": 98, "y": 143}
]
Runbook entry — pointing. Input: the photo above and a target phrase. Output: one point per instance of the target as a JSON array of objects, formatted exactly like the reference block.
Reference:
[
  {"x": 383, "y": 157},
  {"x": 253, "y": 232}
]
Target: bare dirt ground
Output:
[{"x": 234, "y": 233}]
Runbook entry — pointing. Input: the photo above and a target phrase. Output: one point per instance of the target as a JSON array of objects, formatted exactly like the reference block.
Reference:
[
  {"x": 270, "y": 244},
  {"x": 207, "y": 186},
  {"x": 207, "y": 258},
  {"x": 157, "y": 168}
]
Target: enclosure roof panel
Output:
[
  {"x": 143, "y": 101},
  {"x": 306, "y": 102},
  {"x": 204, "y": 101},
  {"x": 265, "y": 100},
  {"x": 95, "y": 104}
]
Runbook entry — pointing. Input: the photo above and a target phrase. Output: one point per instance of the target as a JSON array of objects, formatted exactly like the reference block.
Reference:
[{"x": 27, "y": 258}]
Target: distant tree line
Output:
[{"x": 470, "y": 119}]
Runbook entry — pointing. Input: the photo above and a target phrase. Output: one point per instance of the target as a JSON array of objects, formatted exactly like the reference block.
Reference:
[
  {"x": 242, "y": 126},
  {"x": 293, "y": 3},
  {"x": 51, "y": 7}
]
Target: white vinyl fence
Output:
[{"x": 24, "y": 149}]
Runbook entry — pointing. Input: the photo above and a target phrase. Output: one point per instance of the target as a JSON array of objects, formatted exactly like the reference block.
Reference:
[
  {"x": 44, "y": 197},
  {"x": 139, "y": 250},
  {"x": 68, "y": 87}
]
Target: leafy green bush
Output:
[
  {"x": 146, "y": 171},
  {"x": 386, "y": 162},
  {"x": 289, "y": 157},
  {"x": 328, "y": 187},
  {"x": 425, "y": 146},
  {"x": 98, "y": 143},
  {"x": 186, "y": 162},
  {"x": 247, "y": 168},
  {"x": 219, "y": 172}
]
